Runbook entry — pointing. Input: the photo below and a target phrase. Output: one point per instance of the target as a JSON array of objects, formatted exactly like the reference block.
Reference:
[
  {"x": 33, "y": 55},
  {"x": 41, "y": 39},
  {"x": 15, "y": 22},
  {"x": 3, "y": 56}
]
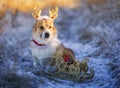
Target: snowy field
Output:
[{"x": 93, "y": 33}]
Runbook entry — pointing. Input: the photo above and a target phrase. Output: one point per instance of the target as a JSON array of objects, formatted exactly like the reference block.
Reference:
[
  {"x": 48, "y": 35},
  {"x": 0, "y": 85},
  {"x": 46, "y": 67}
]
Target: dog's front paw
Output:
[{"x": 50, "y": 69}]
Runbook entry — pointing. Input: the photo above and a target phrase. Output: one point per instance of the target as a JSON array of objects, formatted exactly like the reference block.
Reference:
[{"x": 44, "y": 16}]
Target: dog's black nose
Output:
[{"x": 47, "y": 35}]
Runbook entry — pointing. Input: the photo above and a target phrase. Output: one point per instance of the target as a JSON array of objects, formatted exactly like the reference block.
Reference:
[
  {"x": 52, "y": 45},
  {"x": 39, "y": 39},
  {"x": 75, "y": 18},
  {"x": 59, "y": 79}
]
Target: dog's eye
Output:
[
  {"x": 50, "y": 27},
  {"x": 41, "y": 27}
]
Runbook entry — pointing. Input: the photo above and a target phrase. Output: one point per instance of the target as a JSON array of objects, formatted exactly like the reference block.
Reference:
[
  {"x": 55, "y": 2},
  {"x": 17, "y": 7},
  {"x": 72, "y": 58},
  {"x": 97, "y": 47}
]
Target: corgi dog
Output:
[{"x": 45, "y": 42}]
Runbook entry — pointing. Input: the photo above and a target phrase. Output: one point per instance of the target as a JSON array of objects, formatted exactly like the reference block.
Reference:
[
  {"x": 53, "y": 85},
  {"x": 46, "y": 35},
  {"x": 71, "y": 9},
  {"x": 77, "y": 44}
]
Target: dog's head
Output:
[{"x": 44, "y": 30}]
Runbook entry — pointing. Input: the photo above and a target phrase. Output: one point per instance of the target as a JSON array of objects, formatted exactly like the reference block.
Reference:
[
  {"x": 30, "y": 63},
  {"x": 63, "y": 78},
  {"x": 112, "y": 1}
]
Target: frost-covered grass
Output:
[
  {"x": 17, "y": 66},
  {"x": 84, "y": 31}
]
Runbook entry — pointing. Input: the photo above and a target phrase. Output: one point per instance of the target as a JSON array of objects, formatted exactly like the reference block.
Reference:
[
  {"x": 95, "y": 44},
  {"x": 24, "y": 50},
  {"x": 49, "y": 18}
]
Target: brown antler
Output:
[
  {"x": 36, "y": 12},
  {"x": 53, "y": 13}
]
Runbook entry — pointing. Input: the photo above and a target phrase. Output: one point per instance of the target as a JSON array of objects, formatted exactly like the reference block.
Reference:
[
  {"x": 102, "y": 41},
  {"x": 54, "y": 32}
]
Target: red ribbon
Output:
[
  {"x": 38, "y": 43},
  {"x": 66, "y": 57}
]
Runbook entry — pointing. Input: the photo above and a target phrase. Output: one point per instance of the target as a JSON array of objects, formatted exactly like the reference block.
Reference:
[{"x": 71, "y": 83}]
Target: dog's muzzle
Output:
[{"x": 47, "y": 35}]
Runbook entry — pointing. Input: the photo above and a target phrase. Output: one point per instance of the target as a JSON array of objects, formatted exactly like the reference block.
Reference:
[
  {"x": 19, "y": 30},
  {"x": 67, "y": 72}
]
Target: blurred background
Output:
[{"x": 90, "y": 27}]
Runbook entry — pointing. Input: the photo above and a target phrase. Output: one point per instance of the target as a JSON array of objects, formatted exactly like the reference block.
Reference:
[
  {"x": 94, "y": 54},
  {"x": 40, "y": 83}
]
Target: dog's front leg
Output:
[
  {"x": 36, "y": 63},
  {"x": 51, "y": 67}
]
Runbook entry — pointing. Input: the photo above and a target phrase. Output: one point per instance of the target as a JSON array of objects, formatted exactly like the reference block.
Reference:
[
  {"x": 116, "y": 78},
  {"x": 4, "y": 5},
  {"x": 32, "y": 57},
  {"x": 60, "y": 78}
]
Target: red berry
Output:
[{"x": 66, "y": 57}]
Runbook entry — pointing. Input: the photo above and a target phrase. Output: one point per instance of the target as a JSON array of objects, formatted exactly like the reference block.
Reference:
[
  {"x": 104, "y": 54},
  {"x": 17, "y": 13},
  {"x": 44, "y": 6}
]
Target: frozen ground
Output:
[{"x": 87, "y": 32}]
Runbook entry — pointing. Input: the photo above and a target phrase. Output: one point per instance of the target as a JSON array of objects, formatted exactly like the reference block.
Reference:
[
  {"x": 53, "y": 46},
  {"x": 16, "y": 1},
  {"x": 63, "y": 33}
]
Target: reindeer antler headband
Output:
[{"x": 37, "y": 13}]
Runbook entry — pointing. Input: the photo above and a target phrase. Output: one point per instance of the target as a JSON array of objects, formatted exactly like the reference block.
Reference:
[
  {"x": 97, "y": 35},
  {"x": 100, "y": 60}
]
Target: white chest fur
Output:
[{"x": 41, "y": 53}]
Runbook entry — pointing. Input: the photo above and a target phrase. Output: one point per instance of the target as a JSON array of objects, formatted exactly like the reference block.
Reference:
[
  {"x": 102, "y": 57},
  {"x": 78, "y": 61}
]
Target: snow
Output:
[{"x": 96, "y": 41}]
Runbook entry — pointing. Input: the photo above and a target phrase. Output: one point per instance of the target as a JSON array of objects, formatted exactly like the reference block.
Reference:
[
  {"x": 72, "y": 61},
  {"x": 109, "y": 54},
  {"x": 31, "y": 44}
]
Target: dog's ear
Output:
[
  {"x": 53, "y": 13},
  {"x": 36, "y": 12}
]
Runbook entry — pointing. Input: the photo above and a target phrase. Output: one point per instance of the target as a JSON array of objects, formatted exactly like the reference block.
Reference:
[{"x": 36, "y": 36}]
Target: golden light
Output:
[{"x": 28, "y": 5}]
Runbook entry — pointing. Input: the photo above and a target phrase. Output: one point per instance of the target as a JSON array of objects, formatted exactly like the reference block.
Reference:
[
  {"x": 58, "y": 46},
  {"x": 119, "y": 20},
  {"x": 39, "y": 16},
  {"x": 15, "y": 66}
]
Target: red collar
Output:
[{"x": 38, "y": 43}]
